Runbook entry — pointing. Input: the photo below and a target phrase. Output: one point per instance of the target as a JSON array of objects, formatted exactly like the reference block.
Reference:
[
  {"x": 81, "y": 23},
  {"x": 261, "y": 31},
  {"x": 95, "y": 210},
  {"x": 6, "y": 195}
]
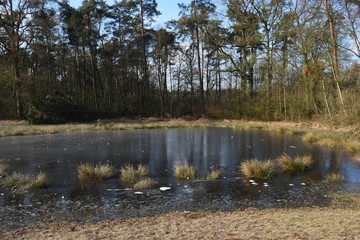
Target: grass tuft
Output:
[
  {"x": 40, "y": 181},
  {"x": 3, "y": 168},
  {"x": 22, "y": 182},
  {"x": 298, "y": 164},
  {"x": 214, "y": 175},
  {"x": 185, "y": 172},
  {"x": 142, "y": 171},
  {"x": 311, "y": 137},
  {"x": 144, "y": 183},
  {"x": 334, "y": 178},
  {"x": 16, "y": 179},
  {"x": 129, "y": 173},
  {"x": 86, "y": 172},
  {"x": 254, "y": 168}
]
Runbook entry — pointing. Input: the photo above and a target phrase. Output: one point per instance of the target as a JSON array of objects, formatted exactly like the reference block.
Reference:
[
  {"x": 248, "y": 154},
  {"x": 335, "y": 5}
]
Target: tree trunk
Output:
[
  {"x": 334, "y": 53},
  {"x": 201, "y": 80}
]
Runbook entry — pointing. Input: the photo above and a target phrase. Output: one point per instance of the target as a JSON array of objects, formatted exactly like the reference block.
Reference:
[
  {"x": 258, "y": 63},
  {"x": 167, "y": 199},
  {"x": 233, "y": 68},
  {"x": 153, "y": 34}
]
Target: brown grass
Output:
[
  {"x": 214, "y": 175},
  {"x": 3, "y": 168},
  {"x": 144, "y": 183},
  {"x": 307, "y": 223},
  {"x": 39, "y": 181},
  {"x": 255, "y": 169},
  {"x": 86, "y": 172},
  {"x": 16, "y": 179},
  {"x": 185, "y": 172},
  {"x": 130, "y": 173},
  {"x": 334, "y": 178},
  {"x": 302, "y": 163}
]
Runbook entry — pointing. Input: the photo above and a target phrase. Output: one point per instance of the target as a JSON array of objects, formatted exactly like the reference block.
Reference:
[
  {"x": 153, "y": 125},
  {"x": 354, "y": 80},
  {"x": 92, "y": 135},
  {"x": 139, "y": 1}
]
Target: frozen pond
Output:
[{"x": 67, "y": 199}]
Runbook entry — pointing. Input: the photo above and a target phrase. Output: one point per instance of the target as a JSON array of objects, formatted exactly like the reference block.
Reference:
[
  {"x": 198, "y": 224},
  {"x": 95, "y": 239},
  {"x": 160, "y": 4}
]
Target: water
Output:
[{"x": 213, "y": 148}]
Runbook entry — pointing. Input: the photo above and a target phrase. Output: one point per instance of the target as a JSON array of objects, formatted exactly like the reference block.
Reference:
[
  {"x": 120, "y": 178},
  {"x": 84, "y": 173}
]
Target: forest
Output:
[{"x": 270, "y": 60}]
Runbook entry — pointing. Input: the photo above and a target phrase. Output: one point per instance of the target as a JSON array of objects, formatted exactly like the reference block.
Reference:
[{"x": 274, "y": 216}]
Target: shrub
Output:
[
  {"x": 334, "y": 178},
  {"x": 57, "y": 107},
  {"x": 185, "y": 171},
  {"x": 254, "y": 168},
  {"x": 144, "y": 183},
  {"x": 213, "y": 175},
  {"x": 86, "y": 172},
  {"x": 298, "y": 164},
  {"x": 129, "y": 173}
]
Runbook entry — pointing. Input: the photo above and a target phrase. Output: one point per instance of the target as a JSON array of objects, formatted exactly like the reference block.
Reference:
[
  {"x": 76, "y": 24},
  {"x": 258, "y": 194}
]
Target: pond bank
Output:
[
  {"x": 306, "y": 223},
  {"x": 325, "y": 135}
]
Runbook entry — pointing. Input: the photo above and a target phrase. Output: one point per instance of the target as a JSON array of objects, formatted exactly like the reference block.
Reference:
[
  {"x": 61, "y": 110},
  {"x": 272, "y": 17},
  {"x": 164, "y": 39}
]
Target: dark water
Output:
[{"x": 66, "y": 199}]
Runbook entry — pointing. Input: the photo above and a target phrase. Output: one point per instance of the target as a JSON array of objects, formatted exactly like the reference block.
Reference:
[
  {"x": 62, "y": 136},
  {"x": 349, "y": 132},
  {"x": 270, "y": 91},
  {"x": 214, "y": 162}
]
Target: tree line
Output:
[{"x": 250, "y": 59}]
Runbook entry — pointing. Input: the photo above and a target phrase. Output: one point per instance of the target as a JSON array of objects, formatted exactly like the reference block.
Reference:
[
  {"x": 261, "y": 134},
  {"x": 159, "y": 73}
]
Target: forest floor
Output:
[{"x": 340, "y": 220}]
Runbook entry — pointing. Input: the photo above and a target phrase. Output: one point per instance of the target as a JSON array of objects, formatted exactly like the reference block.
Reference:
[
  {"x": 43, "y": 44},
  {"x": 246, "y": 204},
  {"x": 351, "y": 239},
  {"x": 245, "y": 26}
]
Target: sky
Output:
[{"x": 169, "y": 8}]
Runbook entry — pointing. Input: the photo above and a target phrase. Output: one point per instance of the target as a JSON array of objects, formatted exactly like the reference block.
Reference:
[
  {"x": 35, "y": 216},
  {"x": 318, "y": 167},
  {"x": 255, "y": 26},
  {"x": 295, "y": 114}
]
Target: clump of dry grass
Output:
[
  {"x": 298, "y": 164},
  {"x": 16, "y": 179},
  {"x": 185, "y": 171},
  {"x": 3, "y": 168},
  {"x": 86, "y": 172},
  {"x": 311, "y": 137},
  {"x": 40, "y": 181},
  {"x": 22, "y": 182},
  {"x": 214, "y": 175},
  {"x": 334, "y": 178},
  {"x": 144, "y": 183},
  {"x": 353, "y": 148},
  {"x": 256, "y": 169},
  {"x": 129, "y": 173}
]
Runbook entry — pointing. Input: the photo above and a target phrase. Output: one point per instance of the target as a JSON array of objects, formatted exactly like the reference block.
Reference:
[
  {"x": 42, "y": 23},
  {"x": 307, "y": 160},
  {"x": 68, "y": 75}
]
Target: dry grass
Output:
[
  {"x": 86, "y": 172},
  {"x": 40, "y": 181},
  {"x": 142, "y": 171},
  {"x": 3, "y": 168},
  {"x": 334, "y": 178},
  {"x": 348, "y": 200},
  {"x": 298, "y": 164},
  {"x": 297, "y": 223},
  {"x": 334, "y": 140},
  {"x": 185, "y": 172},
  {"x": 255, "y": 169},
  {"x": 16, "y": 179},
  {"x": 214, "y": 175},
  {"x": 144, "y": 183},
  {"x": 129, "y": 173},
  {"x": 23, "y": 182}
]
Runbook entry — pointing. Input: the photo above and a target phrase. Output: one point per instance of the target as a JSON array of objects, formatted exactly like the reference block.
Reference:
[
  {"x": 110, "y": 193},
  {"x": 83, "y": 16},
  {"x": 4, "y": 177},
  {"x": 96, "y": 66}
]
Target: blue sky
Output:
[{"x": 168, "y": 8}]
